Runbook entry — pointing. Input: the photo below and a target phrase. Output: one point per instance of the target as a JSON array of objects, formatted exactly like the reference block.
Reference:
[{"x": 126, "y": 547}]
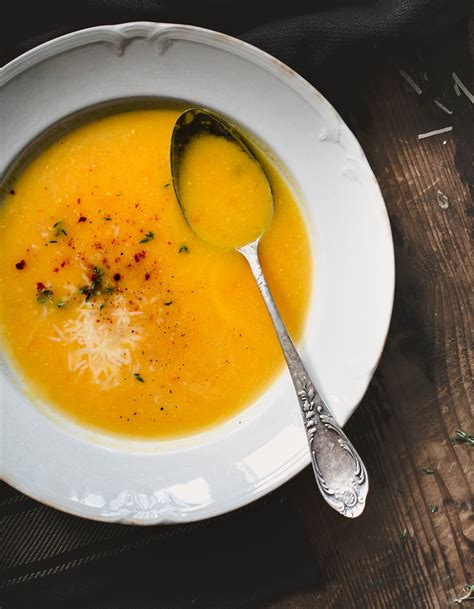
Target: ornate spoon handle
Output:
[{"x": 340, "y": 474}]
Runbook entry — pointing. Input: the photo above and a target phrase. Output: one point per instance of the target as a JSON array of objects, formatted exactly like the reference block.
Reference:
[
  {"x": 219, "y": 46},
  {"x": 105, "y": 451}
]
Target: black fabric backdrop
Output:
[{"x": 50, "y": 559}]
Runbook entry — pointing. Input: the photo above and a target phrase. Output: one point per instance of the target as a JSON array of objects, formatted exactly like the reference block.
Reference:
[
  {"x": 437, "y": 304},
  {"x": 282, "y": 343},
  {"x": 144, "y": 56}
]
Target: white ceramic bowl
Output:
[{"x": 96, "y": 476}]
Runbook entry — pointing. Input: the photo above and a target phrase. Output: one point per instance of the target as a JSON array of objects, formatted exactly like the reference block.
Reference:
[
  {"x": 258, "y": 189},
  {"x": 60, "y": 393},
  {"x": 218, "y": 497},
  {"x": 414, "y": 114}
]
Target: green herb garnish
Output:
[
  {"x": 433, "y": 508},
  {"x": 166, "y": 185},
  {"x": 109, "y": 289},
  {"x": 167, "y": 304},
  {"x": 183, "y": 249},
  {"x": 148, "y": 237},
  {"x": 461, "y": 437},
  {"x": 53, "y": 241},
  {"x": 404, "y": 534},
  {"x": 107, "y": 218},
  {"x": 138, "y": 377},
  {"x": 95, "y": 286},
  {"x": 44, "y": 296},
  {"x": 102, "y": 306},
  {"x": 60, "y": 305},
  {"x": 60, "y": 230},
  {"x": 427, "y": 470}
]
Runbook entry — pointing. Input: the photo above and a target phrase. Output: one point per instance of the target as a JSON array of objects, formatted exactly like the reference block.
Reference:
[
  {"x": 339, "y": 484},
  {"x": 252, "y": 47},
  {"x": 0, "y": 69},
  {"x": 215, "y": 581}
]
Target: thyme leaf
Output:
[
  {"x": 60, "y": 230},
  {"x": 44, "y": 295},
  {"x": 95, "y": 286},
  {"x": 461, "y": 437},
  {"x": 148, "y": 237}
]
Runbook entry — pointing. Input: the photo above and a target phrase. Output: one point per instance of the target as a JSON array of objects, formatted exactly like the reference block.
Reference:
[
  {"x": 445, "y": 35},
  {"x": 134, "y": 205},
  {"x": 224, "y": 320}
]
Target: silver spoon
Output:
[{"x": 340, "y": 474}]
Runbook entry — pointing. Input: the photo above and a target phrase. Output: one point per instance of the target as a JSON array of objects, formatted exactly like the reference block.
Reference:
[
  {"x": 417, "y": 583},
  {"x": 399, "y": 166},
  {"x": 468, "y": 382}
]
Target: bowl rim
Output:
[{"x": 148, "y": 29}]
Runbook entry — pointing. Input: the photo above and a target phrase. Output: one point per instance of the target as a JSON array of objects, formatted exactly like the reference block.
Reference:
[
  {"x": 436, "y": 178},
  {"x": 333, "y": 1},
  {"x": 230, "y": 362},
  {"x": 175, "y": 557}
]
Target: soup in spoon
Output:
[{"x": 228, "y": 200}]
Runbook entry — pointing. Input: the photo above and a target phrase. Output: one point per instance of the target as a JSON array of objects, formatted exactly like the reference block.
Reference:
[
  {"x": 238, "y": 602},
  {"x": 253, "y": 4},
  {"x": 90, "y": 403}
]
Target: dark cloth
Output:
[
  {"x": 306, "y": 34},
  {"x": 50, "y": 559}
]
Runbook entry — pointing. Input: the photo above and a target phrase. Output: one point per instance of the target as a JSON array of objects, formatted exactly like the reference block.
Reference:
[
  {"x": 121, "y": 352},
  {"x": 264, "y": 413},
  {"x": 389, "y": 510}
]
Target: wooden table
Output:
[{"x": 412, "y": 548}]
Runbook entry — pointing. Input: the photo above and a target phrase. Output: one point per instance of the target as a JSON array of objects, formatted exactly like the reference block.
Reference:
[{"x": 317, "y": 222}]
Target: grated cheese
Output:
[
  {"x": 422, "y": 136},
  {"x": 411, "y": 82},
  {"x": 103, "y": 349},
  {"x": 463, "y": 88},
  {"x": 443, "y": 107},
  {"x": 442, "y": 199}
]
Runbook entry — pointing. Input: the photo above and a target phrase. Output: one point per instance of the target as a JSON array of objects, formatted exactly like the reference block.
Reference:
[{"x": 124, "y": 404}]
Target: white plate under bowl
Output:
[{"x": 96, "y": 476}]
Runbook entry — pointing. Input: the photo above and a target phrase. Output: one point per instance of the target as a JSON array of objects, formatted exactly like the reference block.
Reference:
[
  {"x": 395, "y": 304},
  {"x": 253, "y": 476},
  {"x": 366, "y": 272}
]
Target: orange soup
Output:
[{"x": 113, "y": 311}]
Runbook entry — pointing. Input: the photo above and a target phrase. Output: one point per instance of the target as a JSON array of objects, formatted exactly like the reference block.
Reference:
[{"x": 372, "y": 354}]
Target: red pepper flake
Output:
[
  {"x": 20, "y": 265},
  {"x": 78, "y": 201},
  {"x": 117, "y": 277},
  {"x": 82, "y": 218},
  {"x": 147, "y": 276},
  {"x": 12, "y": 192},
  {"x": 139, "y": 256},
  {"x": 63, "y": 264},
  {"x": 95, "y": 275},
  {"x": 56, "y": 270},
  {"x": 40, "y": 287}
]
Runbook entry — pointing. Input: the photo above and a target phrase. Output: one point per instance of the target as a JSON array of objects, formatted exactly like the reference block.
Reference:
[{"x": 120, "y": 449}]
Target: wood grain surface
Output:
[{"x": 413, "y": 547}]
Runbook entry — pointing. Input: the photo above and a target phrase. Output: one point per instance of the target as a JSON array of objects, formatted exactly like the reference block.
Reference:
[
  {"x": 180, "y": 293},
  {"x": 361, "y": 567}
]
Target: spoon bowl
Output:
[
  {"x": 339, "y": 471},
  {"x": 190, "y": 127}
]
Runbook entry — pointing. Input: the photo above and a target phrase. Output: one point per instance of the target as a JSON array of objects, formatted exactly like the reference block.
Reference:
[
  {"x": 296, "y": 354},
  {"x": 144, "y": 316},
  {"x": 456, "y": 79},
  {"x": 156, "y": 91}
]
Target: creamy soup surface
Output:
[{"x": 113, "y": 311}]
